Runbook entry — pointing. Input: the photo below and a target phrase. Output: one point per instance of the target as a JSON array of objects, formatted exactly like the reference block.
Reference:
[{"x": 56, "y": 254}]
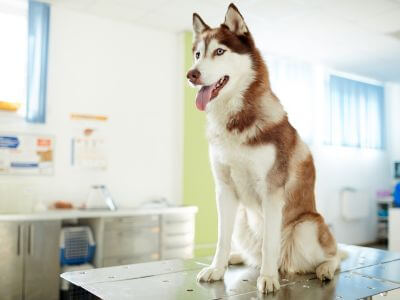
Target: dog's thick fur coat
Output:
[{"x": 264, "y": 173}]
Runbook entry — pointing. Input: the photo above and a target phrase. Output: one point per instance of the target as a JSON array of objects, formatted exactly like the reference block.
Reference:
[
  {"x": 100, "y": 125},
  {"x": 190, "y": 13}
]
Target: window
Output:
[
  {"x": 24, "y": 34},
  {"x": 38, "y": 44},
  {"x": 354, "y": 114},
  {"x": 13, "y": 52}
]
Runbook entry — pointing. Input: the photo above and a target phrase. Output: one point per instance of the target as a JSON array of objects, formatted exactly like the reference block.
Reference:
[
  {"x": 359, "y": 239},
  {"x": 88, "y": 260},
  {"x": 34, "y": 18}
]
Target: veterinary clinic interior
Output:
[{"x": 106, "y": 185}]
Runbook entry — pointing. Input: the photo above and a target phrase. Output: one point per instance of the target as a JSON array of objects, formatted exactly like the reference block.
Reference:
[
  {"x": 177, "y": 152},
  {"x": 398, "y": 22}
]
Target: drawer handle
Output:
[
  {"x": 177, "y": 221},
  {"x": 134, "y": 220},
  {"x": 126, "y": 220},
  {"x": 178, "y": 247},
  {"x": 138, "y": 230},
  {"x": 180, "y": 233}
]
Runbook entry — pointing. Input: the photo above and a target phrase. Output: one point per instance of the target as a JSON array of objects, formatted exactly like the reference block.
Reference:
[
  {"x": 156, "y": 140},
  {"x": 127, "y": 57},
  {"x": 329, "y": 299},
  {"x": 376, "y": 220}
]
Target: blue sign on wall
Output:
[{"x": 9, "y": 142}]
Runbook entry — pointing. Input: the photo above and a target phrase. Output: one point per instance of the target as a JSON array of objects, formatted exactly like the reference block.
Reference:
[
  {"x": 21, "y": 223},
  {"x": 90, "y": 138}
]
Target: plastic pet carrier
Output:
[{"x": 77, "y": 245}]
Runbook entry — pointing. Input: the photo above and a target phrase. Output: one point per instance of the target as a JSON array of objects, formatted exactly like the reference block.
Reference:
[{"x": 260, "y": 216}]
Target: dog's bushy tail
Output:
[{"x": 342, "y": 254}]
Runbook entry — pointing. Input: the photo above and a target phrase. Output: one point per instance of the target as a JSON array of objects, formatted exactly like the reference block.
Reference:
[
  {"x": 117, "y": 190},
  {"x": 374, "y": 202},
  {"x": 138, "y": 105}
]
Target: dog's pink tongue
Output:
[{"x": 203, "y": 97}]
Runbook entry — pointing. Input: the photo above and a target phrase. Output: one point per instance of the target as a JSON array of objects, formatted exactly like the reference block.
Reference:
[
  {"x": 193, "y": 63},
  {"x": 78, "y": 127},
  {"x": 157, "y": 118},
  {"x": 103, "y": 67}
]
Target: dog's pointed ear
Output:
[
  {"x": 198, "y": 25},
  {"x": 234, "y": 21}
]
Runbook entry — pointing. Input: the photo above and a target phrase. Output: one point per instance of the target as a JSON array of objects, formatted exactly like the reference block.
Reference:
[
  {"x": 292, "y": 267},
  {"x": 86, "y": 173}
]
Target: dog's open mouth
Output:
[{"x": 209, "y": 92}]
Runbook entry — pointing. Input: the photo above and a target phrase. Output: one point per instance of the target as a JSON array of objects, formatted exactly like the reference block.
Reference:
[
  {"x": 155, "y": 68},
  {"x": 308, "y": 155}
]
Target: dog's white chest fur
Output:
[{"x": 248, "y": 165}]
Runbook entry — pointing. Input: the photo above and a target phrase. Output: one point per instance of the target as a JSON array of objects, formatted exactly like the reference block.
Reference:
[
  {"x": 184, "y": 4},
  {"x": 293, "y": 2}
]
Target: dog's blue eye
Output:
[
  {"x": 220, "y": 51},
  {"x": 197, "y": 55}
]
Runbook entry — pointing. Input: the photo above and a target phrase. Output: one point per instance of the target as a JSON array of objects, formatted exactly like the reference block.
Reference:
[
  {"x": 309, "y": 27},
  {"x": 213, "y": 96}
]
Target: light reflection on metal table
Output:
[{"x": 365, "y": 273}]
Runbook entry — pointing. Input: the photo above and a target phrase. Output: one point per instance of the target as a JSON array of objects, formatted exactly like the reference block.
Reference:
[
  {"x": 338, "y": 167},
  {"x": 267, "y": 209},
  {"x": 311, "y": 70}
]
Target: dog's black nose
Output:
[{"x": 194, "y": 76}]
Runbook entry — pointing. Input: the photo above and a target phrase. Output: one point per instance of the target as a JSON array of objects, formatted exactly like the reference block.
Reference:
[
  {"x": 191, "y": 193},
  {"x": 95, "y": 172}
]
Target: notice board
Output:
[{"x": 26, "y": 154}]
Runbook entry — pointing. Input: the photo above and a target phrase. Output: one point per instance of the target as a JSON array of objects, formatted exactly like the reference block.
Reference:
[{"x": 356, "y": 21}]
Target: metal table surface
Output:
[{"x": 365, "y": 273}]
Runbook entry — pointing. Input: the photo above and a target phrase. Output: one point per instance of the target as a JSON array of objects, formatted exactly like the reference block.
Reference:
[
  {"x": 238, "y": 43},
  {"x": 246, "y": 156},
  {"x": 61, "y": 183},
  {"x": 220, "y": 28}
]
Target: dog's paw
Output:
[
  {"x": 325, "y": 271},
  {"x": 268, "y": 284},
  {"x": 211, "y": 274}
]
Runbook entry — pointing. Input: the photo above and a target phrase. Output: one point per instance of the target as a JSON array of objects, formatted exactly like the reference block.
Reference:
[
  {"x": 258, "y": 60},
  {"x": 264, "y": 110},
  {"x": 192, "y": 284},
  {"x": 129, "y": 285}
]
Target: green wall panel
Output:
[{"x": 198, "y": 185}]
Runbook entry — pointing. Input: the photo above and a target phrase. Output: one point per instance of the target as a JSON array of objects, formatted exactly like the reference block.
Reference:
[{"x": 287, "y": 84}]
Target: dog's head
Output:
[{"x": 223, "y": 57}]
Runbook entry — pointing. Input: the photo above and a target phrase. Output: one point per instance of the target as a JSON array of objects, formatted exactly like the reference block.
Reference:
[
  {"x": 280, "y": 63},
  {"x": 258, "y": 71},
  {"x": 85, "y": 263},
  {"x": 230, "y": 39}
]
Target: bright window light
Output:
[
  {"x": 13, "y": 52},
  {"x": 355, "y": 114}
]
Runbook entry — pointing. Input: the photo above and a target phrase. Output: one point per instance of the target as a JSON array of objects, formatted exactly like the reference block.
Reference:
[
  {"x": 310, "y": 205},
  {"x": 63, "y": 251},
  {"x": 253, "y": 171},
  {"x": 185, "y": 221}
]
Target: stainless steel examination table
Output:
[{"x": 365, "y": 273}]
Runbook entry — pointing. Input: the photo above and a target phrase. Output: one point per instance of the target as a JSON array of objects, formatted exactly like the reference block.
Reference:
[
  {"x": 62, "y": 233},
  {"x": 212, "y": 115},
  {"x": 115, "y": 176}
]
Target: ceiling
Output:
[{"x": 357, "y": 36}]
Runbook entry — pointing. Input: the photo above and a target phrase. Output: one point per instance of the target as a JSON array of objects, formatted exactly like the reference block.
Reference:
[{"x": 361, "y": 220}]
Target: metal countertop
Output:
[{"x": 365, "y": 273}]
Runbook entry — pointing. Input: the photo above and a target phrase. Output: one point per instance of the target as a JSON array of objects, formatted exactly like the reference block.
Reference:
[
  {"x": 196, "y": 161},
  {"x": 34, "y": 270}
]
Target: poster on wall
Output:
[
  {"x": 26, "y": 154},
  {"x": 89, "y": 149},
  {"x": 89, "y": 146}
]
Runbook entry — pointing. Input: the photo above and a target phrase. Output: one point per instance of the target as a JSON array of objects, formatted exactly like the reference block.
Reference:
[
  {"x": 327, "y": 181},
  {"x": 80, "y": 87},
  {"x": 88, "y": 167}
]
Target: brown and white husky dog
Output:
[{"x": 264, "y": 173}]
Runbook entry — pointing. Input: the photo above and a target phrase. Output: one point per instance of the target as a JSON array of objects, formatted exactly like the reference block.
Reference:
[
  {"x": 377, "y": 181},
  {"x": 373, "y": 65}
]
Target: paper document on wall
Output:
[
  {"x": 26, "y": 154},
  {"x": 89, "y": 150}
]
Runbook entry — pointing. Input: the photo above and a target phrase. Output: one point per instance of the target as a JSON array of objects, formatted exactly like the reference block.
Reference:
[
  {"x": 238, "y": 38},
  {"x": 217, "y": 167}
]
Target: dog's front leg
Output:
[
  {"x": 227, "y": 205},
  {"x": 268, "y": 281}
]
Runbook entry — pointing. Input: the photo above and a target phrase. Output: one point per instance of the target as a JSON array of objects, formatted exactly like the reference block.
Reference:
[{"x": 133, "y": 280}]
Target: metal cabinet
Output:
[
  {"x": 11, "y": 261},
  {"x": 42, "y": 262},
  {"x": 143, "y": 238},
  {"x": 31, "y": 268},
  {"x": 137, "y": 239},
  {"x": 177, "y": 236}
]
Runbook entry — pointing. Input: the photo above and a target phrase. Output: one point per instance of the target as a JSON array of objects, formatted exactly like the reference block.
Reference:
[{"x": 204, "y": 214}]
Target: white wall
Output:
[
  {"x": 364, "y": 170},
  {"x": 128, "y": 73},
  {"x": 392, "y": 94}
]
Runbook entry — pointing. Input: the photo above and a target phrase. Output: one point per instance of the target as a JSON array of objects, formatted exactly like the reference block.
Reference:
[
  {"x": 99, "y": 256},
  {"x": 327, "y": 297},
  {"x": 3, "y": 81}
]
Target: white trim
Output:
[
  {"x": 355, "y": 77},
  {"x": 13, "y": 117}
]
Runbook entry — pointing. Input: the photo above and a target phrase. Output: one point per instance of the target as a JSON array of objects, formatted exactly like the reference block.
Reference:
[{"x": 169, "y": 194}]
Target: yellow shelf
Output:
[{"x": 9, "y": 106}]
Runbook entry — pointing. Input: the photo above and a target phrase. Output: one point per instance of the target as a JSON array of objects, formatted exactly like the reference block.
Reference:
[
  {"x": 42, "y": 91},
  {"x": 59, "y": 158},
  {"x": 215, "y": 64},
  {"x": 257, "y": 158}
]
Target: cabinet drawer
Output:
[
  {"x": 177, "y": 240},
  {"x": 109, "y": 262},
  {"x": 176, "y": 218},
  {"x": 128, "y": 222},
  {"x": 178, "y": 227},
  {"x": 136, "y": 241},
  {"x": 178, "y": 252}
]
